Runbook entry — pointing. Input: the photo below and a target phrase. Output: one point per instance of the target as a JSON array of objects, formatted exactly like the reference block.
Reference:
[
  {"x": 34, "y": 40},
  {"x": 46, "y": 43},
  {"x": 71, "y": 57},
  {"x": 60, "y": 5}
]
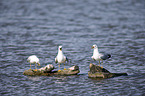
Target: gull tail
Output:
[
  {"x": 67, "y": 59},
  {"x": 106, "y": 56},
  {"x": 109, "y": 55}
]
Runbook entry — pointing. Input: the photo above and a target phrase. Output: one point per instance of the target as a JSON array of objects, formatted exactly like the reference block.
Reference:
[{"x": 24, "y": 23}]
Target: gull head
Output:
[
  {"x": 60, "y": 48},
  {"x": 94, "y": 46}
]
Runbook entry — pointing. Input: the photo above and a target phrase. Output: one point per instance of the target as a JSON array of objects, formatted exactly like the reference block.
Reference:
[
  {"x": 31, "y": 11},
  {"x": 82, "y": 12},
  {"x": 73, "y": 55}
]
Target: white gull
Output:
[
  {"x": 60, "y": 58},
  {"x": 99, "y": 56},
  {"x": 33, "y": 60}
]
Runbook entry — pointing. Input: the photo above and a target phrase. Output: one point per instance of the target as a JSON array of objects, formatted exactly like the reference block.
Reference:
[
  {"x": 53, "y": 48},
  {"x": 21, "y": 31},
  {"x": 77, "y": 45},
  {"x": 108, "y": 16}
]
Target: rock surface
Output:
[
  {"x": 47, "y": 68},
  {"x": 98, "y": 72},
  {"x": 48, "y": 71}
]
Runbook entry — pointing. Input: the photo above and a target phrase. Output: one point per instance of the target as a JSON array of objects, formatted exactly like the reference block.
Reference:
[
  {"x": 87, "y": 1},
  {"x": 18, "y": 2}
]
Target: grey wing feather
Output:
[{"x": 105, "y": 56}]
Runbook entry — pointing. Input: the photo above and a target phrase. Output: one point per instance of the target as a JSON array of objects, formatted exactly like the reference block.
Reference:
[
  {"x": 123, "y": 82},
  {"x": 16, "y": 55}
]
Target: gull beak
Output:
[
  {"x": 92, "y": 47},
  {"x": 60, "y": 48}
]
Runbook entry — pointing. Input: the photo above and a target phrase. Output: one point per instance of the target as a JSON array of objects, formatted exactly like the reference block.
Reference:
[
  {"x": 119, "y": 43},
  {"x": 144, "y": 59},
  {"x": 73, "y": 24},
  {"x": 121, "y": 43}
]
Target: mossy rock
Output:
[
  {"x": 74, "y": 70},
  {"x": 99, "y": 72},
  {"x": 33, "y": 73}
]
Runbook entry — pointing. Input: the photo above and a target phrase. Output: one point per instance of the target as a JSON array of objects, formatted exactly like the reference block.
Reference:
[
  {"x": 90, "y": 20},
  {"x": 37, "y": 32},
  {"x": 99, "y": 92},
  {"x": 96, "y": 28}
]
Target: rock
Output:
[
  {"x": 74, "y": 68},
  {"x": 98, "y": 72},
  {"x": 66, "y": 72},
  {"x": 48, "y": 71},
  {"x": 95, "y": 68},
  {"x": 34, "y": 73},
  {"x": 47, "y": 68}
]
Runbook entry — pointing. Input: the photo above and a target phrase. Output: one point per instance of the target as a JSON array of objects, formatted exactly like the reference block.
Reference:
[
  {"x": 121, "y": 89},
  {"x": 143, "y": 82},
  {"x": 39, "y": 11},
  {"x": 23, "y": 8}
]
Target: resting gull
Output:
[
  {"x": 99, "y": 56},
  {"x": 60, "y": 58},
  {"x": 33, "y": 59}
]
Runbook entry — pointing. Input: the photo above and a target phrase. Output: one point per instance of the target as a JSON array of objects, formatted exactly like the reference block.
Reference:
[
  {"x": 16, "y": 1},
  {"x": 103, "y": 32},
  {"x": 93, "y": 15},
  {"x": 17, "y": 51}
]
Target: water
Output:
[{"x": 38, "y": 27}]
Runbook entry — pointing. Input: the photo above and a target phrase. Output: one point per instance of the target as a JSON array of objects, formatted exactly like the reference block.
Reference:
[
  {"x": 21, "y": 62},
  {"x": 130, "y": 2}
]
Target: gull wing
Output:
[{"x": 105, "y": 56}]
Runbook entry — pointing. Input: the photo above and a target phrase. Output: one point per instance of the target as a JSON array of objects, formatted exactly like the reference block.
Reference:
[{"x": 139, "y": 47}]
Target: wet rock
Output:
[
  {"x": 95, "y": 68},
  {"x": 47, "y": 68},
  {"x": 48, "y": 71},
  {"x": 99, "y": 72}
]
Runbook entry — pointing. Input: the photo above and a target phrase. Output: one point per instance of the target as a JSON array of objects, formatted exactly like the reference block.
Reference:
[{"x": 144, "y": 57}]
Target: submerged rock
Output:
[
  {"x": 99, "y": 72},
  {"x": 48, "y": 71}
]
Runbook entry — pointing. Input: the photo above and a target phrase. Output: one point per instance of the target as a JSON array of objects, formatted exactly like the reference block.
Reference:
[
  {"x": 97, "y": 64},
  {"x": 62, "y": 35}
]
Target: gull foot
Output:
[
  {"x": 64, "y": 69},
  {"x": 59, "y": 70},
  {"x": 101, "y": 67},
  {"x": 29, "y": 69},
  {"x": 35, "y": 69}
]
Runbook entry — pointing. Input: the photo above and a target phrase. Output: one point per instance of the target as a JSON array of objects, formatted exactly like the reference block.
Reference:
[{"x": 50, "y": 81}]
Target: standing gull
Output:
[
  {"x": 99, "y": 56},
  {"x": 33, "y": 59},
  {"x": 60, "y": 58}
]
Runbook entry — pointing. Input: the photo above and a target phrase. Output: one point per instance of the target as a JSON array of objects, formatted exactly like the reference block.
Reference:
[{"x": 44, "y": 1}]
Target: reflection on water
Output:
[
  {"x": 34, "y": 78},
  {"x": 39, "y": 27}
]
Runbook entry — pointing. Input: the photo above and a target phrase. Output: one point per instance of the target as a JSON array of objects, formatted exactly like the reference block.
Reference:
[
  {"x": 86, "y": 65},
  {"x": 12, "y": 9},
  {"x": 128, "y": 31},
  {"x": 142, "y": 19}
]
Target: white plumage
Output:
[
  {"x": 99, "y": 56},
  {"x": 33, "y": 60},
  {"x": 60, "y": 58}
]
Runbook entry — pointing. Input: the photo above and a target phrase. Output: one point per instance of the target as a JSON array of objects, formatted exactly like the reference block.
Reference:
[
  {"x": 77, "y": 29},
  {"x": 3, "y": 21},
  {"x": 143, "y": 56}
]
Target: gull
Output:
[
  {"x": 99, "y": 56},
  {"x": 33, "y": 60},
  {"x": 60, "y": 58}
]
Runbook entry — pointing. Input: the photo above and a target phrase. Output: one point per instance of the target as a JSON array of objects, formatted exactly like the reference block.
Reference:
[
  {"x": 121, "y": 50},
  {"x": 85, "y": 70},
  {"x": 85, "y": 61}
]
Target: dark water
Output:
[{"x": 38, "y": 27}]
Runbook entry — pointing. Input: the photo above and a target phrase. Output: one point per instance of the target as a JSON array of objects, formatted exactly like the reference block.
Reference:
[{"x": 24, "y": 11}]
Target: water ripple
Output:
[{"x": 39, "y": 27}]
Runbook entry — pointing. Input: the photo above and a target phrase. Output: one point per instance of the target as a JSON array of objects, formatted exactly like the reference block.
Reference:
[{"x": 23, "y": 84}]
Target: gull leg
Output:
[
  {"x": 59, "y": 68},
  {"x": 35, "y": 67},
  {"x": 99, "y": 62},
  {"x": 64, "y": 67},
  {"x": 30, "y": 66},
  {"x": 102, "y": 64}
]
